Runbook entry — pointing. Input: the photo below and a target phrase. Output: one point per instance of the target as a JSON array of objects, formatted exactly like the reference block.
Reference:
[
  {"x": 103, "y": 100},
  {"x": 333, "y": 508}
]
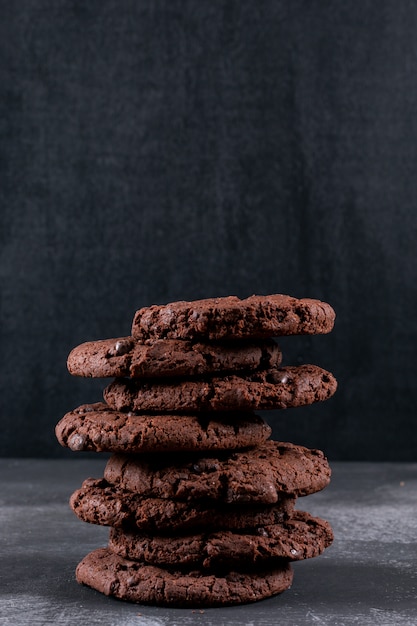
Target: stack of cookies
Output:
[{"x": 199, "y": 500}]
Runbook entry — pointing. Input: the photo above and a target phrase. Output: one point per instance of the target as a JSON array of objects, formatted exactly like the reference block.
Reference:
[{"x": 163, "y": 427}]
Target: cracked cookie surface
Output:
[
  {"x": 98, "y": 428},
  {"x": 125, "y": 356},
  {"x": 280, "y": 388},
  {"x": 129, "y": 580},
  {"x": 261, "y": 474},
  {"x": 231, "y": 317},
  {"x": 98, "y": 502},
  {"x": 302, "y": 536}
]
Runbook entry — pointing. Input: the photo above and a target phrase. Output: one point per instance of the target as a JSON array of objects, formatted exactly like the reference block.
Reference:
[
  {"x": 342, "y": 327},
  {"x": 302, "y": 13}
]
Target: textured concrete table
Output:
[{"x": 368, "y": 576}]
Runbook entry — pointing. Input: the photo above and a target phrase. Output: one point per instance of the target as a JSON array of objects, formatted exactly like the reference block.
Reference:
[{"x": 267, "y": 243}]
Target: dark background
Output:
[{"x": 153, "y": 151}]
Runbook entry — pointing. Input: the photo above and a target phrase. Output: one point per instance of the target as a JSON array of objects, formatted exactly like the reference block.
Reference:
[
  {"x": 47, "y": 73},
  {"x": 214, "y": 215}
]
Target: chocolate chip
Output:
[
  {"x": 276, "y": 377},
  {"x": 76, "y": 442},
  {"x": 122, "y": 346}
]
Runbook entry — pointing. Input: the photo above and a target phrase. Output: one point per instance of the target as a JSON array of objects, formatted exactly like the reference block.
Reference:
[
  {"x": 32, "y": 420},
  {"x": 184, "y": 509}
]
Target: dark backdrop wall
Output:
[{"x": 165, "y": 150}]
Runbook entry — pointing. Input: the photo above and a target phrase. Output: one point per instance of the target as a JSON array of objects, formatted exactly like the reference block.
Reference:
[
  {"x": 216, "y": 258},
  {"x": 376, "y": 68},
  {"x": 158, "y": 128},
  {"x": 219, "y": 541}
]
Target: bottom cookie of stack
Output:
[{"x": 133, "y": 581}]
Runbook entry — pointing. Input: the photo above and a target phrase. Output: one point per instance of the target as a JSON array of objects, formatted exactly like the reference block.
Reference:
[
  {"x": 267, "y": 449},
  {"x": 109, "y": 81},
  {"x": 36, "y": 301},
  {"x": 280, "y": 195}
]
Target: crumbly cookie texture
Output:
[
  {"x": 281, "y": 388},
  {"x": 124, "y": 356},
  {"x": 146, "y": 584},
  {"x": 231, "y": 317},
  {"x": 302, "y": 536},
  {"x": 257, "y": 475},
  {"x": 98, "y": 502},
  {"x": 99, "y": 428}
]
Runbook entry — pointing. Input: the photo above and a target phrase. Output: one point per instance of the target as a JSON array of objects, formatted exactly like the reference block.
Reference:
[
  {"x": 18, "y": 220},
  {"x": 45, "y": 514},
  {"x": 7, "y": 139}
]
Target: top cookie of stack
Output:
[{"x": 232, "y": 318}]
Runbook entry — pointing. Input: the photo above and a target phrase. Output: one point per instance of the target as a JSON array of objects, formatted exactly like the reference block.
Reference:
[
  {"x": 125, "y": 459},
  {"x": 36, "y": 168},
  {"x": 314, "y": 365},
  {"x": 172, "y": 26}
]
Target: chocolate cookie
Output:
[
  {"x": 300, "y": 537},
  {"x": 281, "y": 388},
  {"x": 170, "y": 357},
  {"x": 97, "y": 502},
  {"x": 97, "y": 427},
  {"x": 146, "y": 584},
  {"x": 257, "y": 475},
  {"x": 230, "y": 317}
]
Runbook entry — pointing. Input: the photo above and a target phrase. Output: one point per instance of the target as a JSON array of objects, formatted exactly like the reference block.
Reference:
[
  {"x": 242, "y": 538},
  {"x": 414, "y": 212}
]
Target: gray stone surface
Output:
[{"x": 368, "y": 576}]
